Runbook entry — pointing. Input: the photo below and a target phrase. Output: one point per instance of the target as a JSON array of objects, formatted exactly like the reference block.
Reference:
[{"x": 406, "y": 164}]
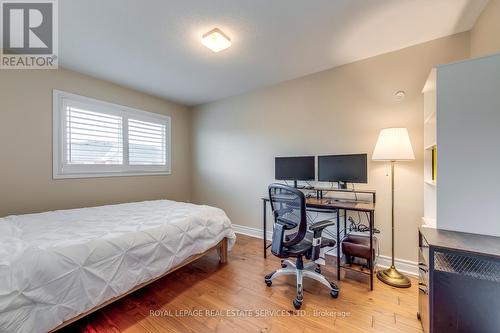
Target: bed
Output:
[{"x": 57, "y": 266}]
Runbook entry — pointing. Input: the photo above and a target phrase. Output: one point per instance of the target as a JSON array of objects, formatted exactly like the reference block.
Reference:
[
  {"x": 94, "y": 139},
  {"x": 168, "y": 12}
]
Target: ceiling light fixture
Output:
[{"x": 216, "y": 40}]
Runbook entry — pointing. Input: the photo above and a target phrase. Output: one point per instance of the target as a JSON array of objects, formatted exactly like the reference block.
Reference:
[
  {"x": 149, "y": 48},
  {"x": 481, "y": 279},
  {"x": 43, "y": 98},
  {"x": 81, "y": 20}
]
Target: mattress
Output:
[{"x": 57, "y": 265}]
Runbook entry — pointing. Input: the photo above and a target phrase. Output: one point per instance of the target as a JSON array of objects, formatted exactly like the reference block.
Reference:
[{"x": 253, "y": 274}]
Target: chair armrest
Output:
[
  {"x": 317, "y": 229},
  {"x": 320, "y": 225}
]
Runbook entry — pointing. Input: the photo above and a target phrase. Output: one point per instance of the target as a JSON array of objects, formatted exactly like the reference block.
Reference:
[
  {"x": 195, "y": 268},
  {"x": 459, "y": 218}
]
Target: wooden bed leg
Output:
[{"x": 222, "y": 250}]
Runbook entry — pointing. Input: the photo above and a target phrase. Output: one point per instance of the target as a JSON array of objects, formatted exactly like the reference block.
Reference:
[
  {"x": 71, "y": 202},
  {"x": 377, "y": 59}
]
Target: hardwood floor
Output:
[{"x": 207, "y": 297}]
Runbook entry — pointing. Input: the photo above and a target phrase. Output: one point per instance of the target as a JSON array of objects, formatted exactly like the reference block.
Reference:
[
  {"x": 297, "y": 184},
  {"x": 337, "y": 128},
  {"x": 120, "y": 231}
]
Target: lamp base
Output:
[{"x": 393, "y": 277}]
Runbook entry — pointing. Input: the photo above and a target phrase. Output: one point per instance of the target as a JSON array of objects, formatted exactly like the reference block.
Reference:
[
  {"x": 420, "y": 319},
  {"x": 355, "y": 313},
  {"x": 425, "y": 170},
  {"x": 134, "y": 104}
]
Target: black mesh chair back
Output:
[{"x": 289, "y": 209}]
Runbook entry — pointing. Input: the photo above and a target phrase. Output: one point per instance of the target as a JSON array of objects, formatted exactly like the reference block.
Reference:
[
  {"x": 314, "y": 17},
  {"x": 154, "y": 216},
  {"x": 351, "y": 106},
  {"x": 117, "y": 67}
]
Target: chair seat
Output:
[
  {"x": 325, "y": 241},
  {"x": 298, "y": 249},
  {"x": 306, "y": 244}
]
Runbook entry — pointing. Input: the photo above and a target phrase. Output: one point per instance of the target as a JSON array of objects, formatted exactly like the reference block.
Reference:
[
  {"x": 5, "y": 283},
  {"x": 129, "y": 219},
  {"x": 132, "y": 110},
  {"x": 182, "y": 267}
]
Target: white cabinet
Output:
[
  {"x": 462, "y": 117},
  {"x": 468, "y": 134}
]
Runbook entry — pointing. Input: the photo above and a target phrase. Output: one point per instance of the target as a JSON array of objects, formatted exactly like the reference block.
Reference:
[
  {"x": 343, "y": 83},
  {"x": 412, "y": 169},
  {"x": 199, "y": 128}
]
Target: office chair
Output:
[{"x": 289, "y": 209}]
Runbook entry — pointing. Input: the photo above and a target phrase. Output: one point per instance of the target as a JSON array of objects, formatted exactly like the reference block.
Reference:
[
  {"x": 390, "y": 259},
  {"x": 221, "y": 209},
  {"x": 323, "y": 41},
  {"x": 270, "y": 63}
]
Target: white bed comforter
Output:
[{"x": 56, "y": 265}]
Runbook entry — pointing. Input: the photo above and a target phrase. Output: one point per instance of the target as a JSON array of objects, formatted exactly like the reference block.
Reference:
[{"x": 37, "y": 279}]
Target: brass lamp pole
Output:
[{"x": 393, "y": 145}]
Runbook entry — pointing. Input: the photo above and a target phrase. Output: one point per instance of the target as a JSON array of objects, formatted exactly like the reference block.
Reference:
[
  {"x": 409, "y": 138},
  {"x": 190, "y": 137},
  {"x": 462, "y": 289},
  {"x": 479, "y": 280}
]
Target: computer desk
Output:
[{"x": 337, "y": 205}]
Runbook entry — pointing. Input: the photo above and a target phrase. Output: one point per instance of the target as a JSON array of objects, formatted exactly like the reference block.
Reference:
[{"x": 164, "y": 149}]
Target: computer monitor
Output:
[
  {"x": 294, "y": 168},
  {"x": 343, "y": 169}
]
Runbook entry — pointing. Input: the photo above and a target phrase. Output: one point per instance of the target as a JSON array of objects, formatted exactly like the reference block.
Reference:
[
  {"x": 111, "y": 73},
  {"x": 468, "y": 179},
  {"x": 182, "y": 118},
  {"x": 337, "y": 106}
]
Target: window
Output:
[{"x": 98, "y": 139}]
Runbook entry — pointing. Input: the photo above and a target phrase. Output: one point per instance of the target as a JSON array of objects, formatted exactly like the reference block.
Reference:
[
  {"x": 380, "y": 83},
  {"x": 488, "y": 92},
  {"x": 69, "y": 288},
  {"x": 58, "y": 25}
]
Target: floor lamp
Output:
[{"x": 393, "y": 145}]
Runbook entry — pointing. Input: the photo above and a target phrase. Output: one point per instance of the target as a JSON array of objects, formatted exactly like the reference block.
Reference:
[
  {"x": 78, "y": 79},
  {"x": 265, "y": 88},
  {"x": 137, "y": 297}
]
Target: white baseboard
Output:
[
  {"x": 405, "y": 266},
  {"x": 253, "y": 232}
]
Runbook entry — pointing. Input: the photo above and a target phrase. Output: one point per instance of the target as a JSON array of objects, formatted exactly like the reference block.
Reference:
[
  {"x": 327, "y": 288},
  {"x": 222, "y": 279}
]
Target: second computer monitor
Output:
[{"x": 343, "y": 168}]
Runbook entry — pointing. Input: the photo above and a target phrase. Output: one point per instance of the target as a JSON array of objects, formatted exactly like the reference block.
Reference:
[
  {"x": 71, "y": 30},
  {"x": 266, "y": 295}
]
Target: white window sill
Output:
[{"x": 110, "y": 174}]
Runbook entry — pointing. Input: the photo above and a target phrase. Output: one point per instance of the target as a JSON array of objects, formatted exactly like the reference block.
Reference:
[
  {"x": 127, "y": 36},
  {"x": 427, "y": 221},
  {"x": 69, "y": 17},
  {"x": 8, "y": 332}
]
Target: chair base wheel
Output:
[
  {"x": 317, "y": 270},
  {"x": 268, "y": 282},
  {"x": 334, "y": 293},
  {"x": 283, "y": 265},
  {"x": 297, "y": 304}
]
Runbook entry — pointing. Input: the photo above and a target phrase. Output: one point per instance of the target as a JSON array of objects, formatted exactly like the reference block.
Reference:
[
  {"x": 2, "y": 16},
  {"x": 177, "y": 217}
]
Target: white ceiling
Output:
[{"x": 154, "y": 45}]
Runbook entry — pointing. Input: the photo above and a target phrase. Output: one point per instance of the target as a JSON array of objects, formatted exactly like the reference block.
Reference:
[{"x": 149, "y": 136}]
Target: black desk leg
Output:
[
  {"x": 338, "y": 245},
  {"x": 345, "y": 223},
  {"x": 372, "y": 217},
  {"x": 265, "y": 223}
]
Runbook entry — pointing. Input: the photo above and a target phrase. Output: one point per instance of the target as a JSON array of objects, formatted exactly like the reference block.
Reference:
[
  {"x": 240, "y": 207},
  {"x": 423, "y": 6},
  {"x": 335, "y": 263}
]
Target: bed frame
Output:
[{"x": 221, "y": 248}]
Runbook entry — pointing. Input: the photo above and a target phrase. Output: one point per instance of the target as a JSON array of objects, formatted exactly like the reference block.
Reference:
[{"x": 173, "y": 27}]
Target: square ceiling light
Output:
[{"x": 216, "y": 40}]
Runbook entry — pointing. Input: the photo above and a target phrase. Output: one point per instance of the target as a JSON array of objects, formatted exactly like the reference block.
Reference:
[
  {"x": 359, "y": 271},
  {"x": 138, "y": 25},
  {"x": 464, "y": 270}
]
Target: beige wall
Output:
[
  {"x": 485, "y": 36},
  {"x": 235, "y": 140},
  {"x": 26, "y": 183},
  {"x": 333, "y": 112}
]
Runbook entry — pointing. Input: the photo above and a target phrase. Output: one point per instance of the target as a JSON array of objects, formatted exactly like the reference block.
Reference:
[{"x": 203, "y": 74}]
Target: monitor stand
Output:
[
  {"x": 343, "y": 185},
  {"x": 302, "y": 187},
  {"x": 298, "y": 186}
]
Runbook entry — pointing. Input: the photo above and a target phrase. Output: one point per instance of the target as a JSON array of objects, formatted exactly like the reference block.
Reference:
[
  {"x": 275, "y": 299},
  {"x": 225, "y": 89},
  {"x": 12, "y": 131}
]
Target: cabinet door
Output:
[{"x": 466, "y": 293}]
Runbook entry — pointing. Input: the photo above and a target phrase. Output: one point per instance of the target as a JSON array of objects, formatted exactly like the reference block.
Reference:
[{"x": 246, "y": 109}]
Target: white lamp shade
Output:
[{"x": 393, "y": 144}]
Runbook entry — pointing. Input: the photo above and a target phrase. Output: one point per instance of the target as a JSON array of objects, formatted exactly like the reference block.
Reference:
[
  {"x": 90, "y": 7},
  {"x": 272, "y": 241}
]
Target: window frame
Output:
[{"x": 62, "y": 170}]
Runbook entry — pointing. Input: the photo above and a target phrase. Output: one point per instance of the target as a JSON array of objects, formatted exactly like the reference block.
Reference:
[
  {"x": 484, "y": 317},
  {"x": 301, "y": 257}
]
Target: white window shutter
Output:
[
  {"x": 93, "y": 137},
  {"x": 146, "y": 143}
]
